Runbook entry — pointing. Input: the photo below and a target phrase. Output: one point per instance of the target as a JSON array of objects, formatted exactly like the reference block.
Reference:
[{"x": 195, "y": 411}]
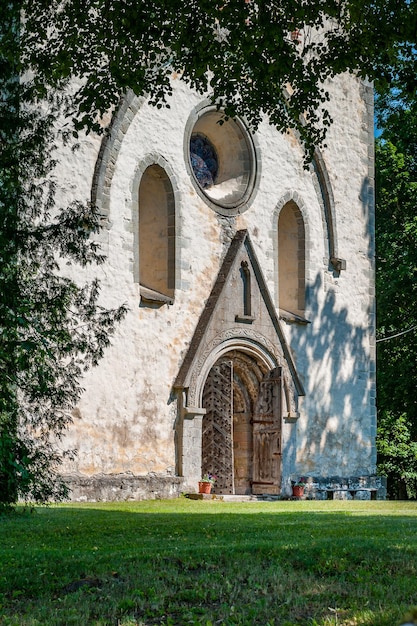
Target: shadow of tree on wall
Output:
[{"x": 338, "y": 434}]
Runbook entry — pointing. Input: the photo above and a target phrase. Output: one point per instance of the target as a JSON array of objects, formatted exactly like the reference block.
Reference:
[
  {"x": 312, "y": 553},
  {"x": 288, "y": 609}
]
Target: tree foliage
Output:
[
  {"x": 51, "y": 328},
  {"x": 396, "y": 238},
  {"x": 255, "y": 58}
]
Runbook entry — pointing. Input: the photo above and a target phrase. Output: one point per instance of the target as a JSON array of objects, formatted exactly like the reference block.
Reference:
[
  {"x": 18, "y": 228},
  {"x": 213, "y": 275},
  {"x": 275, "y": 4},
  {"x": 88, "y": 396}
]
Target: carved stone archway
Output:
[{"x": 242, "y": 426}]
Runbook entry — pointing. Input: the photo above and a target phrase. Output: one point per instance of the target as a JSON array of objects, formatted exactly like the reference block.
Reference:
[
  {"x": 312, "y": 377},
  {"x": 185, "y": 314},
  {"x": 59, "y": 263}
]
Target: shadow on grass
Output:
[{"x": 145, "y": 563}]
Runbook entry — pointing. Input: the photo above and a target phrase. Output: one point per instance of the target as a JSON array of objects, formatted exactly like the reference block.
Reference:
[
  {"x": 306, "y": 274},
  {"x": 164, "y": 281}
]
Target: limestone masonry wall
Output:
[{"x": 128, "y": 429}]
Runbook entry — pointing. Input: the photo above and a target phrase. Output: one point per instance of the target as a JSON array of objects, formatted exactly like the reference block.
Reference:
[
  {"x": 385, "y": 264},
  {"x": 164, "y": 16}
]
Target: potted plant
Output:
[
  {"x": 298, "y": 487},
  {"x": 206, "y": 483}
]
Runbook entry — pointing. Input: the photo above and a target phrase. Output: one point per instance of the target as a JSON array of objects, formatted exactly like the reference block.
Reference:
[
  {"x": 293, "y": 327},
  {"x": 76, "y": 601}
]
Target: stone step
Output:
[{"x": 227, "y": 497}]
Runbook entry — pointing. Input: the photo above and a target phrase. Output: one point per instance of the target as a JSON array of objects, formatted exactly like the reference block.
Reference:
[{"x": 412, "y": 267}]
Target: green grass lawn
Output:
[{"x": 209, "y": 562}]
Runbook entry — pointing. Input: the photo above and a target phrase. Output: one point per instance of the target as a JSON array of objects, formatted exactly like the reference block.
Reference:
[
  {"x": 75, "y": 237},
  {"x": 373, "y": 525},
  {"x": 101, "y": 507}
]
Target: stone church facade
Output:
[{"x": 249, "y": 348}]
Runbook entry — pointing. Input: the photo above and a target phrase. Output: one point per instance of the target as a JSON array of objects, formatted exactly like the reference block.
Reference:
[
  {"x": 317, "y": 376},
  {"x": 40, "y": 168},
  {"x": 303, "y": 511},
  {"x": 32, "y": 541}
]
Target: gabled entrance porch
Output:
[{"x": 238, "y": 389}]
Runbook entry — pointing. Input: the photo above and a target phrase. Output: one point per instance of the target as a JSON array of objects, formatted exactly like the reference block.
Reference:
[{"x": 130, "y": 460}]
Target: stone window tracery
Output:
[{"x": 204, "y": 160}]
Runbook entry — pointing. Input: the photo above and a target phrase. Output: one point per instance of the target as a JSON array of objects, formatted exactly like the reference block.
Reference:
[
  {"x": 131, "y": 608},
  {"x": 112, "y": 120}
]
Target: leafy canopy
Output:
[
  {"x": 52, "y": 328},
  {"x": 253, "y": 58},
  {"x": 396, "y": 279}
]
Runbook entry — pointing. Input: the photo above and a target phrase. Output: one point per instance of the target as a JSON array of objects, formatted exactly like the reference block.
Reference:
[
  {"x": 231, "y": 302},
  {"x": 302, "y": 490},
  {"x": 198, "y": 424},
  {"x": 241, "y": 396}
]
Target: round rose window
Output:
[{"x": 222, "y": 160}]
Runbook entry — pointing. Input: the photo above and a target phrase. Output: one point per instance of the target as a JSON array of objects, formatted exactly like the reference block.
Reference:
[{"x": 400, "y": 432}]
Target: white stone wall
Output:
[{"x": 125, "y": 422}]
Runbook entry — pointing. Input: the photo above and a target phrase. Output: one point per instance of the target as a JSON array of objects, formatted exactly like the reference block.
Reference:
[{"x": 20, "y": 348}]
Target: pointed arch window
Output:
[
  {"x": 291, "y": 259},
  {"x": 156, "y": 240}
]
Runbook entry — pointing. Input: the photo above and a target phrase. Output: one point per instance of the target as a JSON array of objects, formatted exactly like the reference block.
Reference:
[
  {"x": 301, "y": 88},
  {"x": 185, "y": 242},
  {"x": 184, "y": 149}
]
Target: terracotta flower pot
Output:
[
  {"x": 297, "y": 491},
  {"x": 204, "y": 487}
]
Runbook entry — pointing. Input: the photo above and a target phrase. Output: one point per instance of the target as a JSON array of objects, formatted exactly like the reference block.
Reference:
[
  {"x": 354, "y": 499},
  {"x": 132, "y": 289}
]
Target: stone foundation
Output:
[
  {"x": 123, "y": 487},
  {"x": 127, "y": 487}
]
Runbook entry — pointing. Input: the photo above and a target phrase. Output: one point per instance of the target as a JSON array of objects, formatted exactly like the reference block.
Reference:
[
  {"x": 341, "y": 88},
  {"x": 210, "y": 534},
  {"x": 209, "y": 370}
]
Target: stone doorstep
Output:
[{"x": 232, "y": 497}]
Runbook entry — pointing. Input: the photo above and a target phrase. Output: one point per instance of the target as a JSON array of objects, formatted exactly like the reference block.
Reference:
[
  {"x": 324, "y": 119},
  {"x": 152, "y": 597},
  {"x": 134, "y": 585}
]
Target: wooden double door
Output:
[{"x": 241, "y": 435}]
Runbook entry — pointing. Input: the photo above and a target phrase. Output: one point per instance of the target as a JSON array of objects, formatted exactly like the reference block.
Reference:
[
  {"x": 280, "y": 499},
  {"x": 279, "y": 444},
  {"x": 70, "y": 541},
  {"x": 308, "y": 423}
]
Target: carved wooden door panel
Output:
[
  {"x": 267, "y": 436},
  {"x": 217, "y": 435}
]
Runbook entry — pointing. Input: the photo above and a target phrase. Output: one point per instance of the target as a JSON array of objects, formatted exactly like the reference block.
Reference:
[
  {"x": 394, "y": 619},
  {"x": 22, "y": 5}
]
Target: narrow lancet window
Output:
[
  {"x": 246, "y": 315},
  {"x": 156, "y": 234},
  {"x": 291, "y": 259},
  {"x": 247, "y": 295}
]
